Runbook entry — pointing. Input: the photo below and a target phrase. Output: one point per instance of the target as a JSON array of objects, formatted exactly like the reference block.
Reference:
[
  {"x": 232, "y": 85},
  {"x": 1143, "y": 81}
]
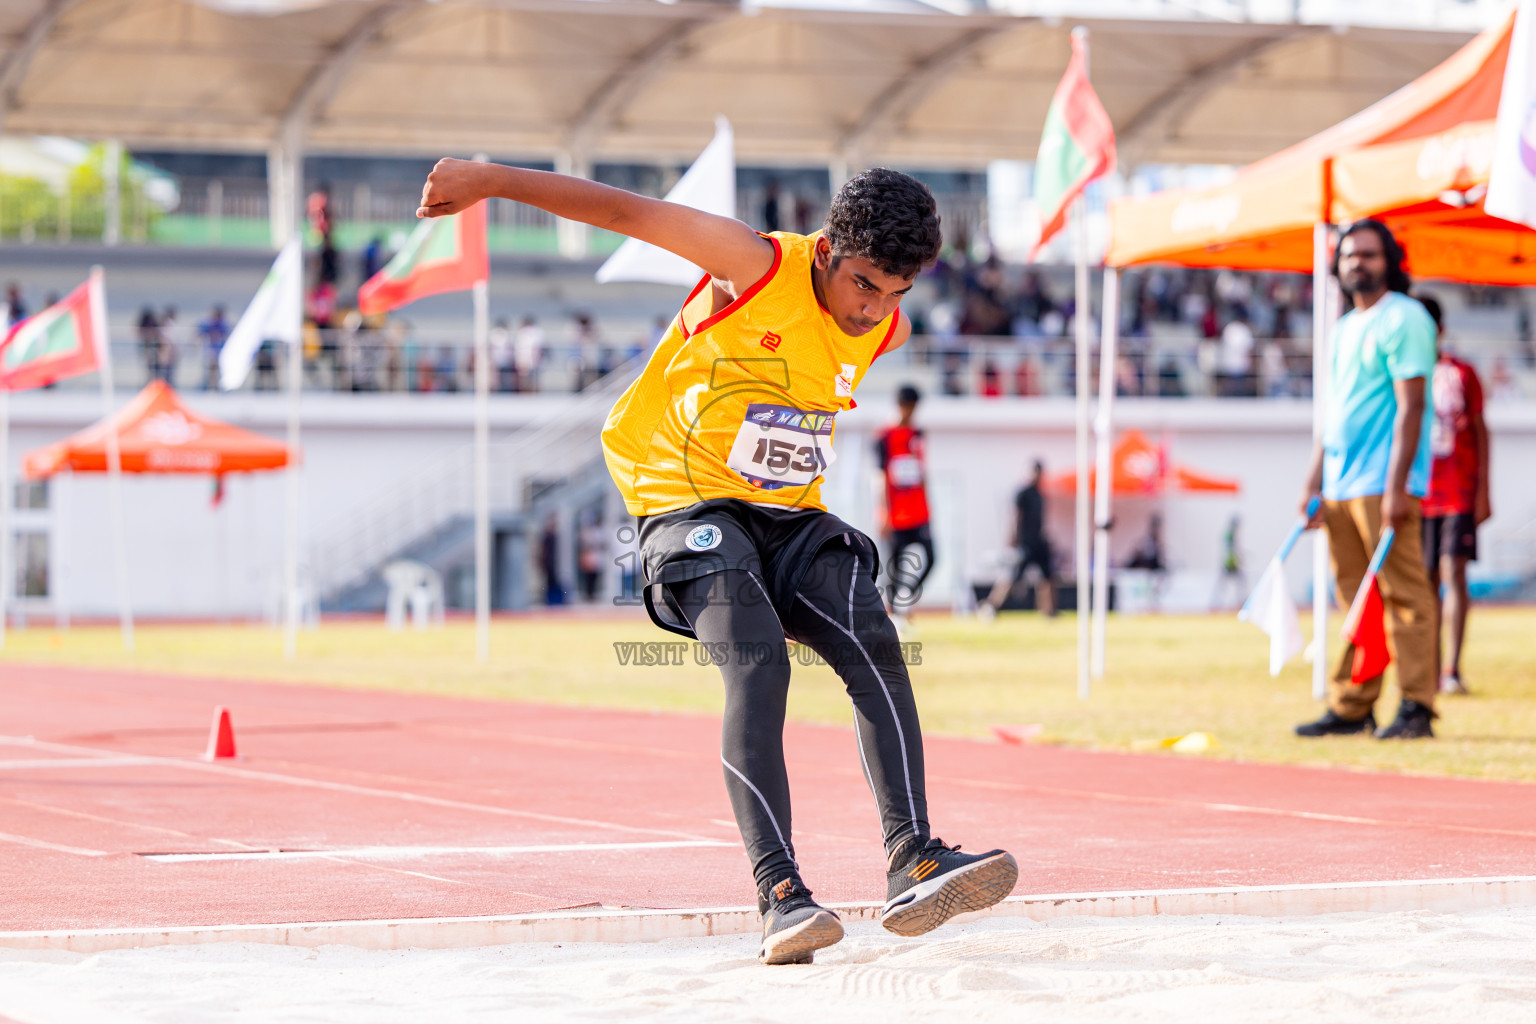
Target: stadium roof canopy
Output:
[{"x": 846, "y": 82}]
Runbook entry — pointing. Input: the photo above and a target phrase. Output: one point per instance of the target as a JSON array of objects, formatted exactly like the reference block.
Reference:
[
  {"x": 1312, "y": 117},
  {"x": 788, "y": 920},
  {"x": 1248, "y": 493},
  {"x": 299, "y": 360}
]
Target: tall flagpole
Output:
[
  {"x": 291, "y": 481},
  {"x": 114, "y": 465},
  {"x": 6, "y": 500},
  {"x": 482, "y": 473},
  {"x": 1320, "y": 370},
  {"x": 1083, "y": 312},
  {"x": 481, "y": 293},
  {"x": 1103, "y": 428}
]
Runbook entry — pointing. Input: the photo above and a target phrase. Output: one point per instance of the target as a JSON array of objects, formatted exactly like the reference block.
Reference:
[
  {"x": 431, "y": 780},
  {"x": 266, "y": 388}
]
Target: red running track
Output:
[{"x": 110, "y": 777}]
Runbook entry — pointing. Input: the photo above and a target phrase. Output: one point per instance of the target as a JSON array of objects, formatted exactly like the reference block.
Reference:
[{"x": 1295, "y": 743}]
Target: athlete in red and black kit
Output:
[
  {"x": 1457, "y": 503},
  {"x": 899, "y": 450}
]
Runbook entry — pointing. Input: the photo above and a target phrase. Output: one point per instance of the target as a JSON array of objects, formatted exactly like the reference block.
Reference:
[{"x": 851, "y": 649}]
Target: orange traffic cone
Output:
[{"x": 221, "y": 738}]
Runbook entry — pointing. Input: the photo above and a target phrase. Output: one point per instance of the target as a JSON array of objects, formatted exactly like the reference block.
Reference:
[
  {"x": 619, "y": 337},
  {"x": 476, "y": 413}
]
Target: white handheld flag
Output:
[
  {"x": 709, "y": 185},
  {"x": 1512, "y": 180},
  {"x": 276, "y": 313},
  {"x": 1271, "y": 609}
]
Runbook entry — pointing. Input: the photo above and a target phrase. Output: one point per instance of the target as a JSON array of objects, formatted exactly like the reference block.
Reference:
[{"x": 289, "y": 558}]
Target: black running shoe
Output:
[
  {"x": 794, "y": 925},
  {"x": 1332, "y": 724},
  {"x": 1412, "y": 723},
  {"x": 931, "y": 883}
]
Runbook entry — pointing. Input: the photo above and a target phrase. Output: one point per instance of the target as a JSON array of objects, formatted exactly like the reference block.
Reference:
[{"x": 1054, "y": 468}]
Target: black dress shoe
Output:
[{"x": 1332, "y": 724}]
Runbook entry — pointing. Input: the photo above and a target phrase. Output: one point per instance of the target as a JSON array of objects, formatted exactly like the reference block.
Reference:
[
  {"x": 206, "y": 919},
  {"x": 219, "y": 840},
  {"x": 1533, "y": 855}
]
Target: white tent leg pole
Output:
[
  {"x": 1320, "y": 371},
  {"x": 63, "y": 488},
  {"x": 482, "y": 474},
  {"x": 1083, "y": 306},
  {"x": 291, "y": 510},
  {"x": 115, "y": 504},
  {"x": 1103, "y": 428},
  {"x": 6, "y": 500}
]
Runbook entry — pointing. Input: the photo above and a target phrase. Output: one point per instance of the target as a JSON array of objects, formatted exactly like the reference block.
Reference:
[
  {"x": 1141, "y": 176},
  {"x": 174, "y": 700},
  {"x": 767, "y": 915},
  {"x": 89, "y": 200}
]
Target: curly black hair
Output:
[
  {"x": 888, "y": 218},
  {"x": 1397, "y": 276}
]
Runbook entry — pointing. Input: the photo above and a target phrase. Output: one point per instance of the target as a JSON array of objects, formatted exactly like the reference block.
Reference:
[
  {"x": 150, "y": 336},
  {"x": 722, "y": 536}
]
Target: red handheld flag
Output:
[{"x": 1369, "y": 637}]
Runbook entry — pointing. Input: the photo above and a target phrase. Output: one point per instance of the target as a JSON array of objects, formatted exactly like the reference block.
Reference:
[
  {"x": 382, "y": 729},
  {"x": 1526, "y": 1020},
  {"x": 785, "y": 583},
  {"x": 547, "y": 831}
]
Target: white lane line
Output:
[
  {"x": 410, "y": 852},
  {"x": 346, "y": 787},
  {"x": 1228, "y": 808},
  {"x": 77, "y": 762},
  {"x": 42, "y": 844}
]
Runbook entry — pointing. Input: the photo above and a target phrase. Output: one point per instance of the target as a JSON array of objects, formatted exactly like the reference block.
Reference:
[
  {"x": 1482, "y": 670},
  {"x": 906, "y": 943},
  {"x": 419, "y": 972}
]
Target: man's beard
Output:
[{"x": 1363, "y": 282}]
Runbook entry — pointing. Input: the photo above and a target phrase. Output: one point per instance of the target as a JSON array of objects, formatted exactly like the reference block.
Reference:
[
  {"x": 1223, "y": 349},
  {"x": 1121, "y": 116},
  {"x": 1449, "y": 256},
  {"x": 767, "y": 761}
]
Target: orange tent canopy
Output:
[
  {"x": 156, "y": 433},
  {"x": 1139, "y": 467},
  {"x": 1417, "y": 159}
]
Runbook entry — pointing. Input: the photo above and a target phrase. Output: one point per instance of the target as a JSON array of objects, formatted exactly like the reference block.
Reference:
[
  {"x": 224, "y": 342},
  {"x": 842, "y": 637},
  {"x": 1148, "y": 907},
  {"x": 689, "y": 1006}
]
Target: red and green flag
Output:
[
  {"x": 1077, "y": 145},
  {"x": 443, "y": 254},
  {"x": 66, "y": 339}
]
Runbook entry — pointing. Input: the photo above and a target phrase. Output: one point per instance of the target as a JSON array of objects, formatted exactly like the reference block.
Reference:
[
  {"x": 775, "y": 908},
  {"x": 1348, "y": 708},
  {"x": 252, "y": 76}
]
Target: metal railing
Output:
[
  {"x": 233, "y": 211},
  {"x": 428, "y": 363},
  {"x": 429, "y": 493},
  {"x": 995, "y": 367}
]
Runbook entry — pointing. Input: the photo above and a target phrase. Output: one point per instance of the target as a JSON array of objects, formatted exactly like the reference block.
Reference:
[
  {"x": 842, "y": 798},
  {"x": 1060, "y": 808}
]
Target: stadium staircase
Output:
[{"x": 553, "y": 467}]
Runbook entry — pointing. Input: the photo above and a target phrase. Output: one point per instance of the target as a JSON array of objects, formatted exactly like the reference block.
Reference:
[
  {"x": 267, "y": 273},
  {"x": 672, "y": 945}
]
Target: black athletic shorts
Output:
[
  {"x": 1454, "y": 536},
  {"x": 776, "y": 544},
  {"x": 921, "y": 535},
  {"x": 1038, "y": 555}
]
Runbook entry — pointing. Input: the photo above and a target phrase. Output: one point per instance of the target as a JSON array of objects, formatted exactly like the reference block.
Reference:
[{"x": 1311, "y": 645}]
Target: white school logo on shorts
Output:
[{"x": 703, "y": 537}]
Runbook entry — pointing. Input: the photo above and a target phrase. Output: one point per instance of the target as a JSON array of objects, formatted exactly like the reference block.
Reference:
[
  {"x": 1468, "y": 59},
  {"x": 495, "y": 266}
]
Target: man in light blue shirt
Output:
[{"x": 1372, "y": 470}]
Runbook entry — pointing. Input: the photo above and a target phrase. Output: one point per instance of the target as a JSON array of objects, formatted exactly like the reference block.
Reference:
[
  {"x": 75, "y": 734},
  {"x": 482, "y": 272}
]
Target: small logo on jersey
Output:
[
  {"x": 842, "y": 384},
  {"x": 764, "y": 417},
  {"x": 771, "y": 341},
  {"x": 704, "y": 537}
]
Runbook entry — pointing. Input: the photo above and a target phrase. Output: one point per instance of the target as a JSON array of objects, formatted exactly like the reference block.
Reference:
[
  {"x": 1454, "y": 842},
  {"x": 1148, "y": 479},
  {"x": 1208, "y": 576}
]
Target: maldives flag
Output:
[
  {"x": 1365, "y": 626},
  {"x": 64, "y": 340},
  {"x": 1077, "y": 146},
  {"x": 443, "y": 254}
]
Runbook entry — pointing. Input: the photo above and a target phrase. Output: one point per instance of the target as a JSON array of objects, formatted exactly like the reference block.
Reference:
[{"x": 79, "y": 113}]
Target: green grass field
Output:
[{"x": 1167, "y": 676}]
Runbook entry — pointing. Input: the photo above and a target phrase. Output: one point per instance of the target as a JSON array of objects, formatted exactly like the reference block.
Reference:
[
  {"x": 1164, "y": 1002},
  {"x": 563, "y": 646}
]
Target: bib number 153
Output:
[
  {"x": 781, "y": 447},
  {"x": 779, "y": 456}
]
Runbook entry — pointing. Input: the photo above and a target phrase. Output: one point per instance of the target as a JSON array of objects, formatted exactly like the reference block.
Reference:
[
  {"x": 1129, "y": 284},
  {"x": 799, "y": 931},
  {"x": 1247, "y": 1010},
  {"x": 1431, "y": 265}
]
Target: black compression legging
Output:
[
  {"x": 839, "y": 615},
  {"x": 908, "y": 569}
]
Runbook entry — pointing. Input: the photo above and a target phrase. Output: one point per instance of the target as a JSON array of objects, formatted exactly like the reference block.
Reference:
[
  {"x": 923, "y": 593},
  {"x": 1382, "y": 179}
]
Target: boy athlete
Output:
[
  {"x": 719, "y": 448},
  {"x": 899, "y": 454}
]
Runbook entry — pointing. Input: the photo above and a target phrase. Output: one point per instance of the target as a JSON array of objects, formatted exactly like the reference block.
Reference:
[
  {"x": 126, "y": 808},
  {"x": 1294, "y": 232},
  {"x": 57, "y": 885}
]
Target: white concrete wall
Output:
[
  {"x": 980, "y": 451},
  {"x": 187, "y": 559}
]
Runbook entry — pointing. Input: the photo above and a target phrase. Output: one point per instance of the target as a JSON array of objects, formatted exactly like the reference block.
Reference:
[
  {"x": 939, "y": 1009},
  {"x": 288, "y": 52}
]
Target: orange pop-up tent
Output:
[
  {"x": 1139, "y": 468},
  {"x": 1417, "y": 159},
  {"x": 157, "y": 433}
]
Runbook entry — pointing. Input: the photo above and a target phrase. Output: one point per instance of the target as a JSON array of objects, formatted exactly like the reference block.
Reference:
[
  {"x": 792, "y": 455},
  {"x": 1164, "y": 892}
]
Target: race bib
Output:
[
  {"x": 778, "y": 446},
  {"x": 906, "y": 471}
]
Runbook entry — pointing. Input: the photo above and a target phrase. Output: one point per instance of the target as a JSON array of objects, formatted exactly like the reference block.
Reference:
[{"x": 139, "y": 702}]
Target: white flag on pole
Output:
[
  {"x": 1512, "y": 180},
  {"x": 276, "y": 313},
  {"x": 1271, "y": 609},
  {"x": 709, "y": 185}
]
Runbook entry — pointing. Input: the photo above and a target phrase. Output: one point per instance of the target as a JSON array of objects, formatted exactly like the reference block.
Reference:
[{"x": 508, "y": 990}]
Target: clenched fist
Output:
[{"x": 452, "y": 186}]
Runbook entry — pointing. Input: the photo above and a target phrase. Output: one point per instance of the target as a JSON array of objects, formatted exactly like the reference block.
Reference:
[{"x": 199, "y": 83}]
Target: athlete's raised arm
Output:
[{"x": 729, "y": 251}]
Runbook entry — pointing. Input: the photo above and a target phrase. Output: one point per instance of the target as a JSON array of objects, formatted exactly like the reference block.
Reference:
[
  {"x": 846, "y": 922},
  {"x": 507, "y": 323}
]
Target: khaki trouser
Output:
[{"x": 1354, "y": 526}]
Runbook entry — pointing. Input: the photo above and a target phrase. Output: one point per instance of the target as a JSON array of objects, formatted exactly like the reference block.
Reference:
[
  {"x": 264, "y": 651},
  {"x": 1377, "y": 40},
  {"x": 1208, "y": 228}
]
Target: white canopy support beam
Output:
[
  {"x": 1161, "y": 117},
  {"x": 912, "y": 85},
  {"x": 606, "y": 104},
  {"x": 14, "y": 65},
  {"x": 285, "y": 157}
]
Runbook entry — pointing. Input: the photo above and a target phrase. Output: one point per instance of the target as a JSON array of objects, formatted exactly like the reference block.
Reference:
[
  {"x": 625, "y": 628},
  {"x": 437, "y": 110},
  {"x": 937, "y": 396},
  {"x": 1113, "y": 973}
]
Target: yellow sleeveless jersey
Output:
[{"x": 740, "y": 404}]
